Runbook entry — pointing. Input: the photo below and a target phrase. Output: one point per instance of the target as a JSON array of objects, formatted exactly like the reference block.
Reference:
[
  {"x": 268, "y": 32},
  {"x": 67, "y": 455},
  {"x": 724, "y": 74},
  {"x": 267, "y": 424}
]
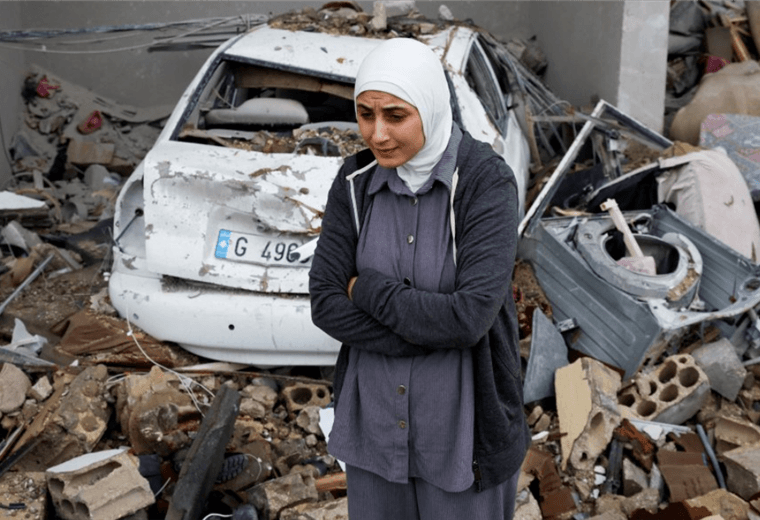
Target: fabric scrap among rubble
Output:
[
  {"x": 708, "y": 190},
  {"x": 735, "y": 89}
]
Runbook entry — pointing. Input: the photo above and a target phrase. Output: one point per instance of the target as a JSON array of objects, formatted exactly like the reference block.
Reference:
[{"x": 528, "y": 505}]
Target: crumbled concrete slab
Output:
[
  {"x": 308, "y": 419},
  {"x": 257, "y": 400},
  {"x": 587, "y": 409},
  {"x": 722, "y": 504},
  {"x": 14, "y": 385},
  {"x": 723, "y": 367},
  {"x": 329, "y": 510},
  {"x": 526, "y": 507},
  {"x": 672, "y": 393},
  {"x": 743, "y": 470},
  {"x": 72, "y": 421},
  {"x": 646, "y": 500},
  {"x": 102, "y": 485},
  {"x": 41, "y": 390},
  {"x": 24, "y": 488},
  {"x": 610, "y": 515},
  {"x": 734, "y": 432},
  {"x": 154, "y": 413},
  {"x": 274, "y": 496}
]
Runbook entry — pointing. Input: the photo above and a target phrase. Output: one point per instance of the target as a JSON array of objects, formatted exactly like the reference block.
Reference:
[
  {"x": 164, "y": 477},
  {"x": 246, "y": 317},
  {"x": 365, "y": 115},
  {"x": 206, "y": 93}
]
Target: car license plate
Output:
[{"x": 244, "y": 247}]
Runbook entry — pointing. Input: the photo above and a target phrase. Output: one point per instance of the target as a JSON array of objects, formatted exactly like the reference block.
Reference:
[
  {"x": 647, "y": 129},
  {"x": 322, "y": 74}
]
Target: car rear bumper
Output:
[{"x": 225, "y": 325}]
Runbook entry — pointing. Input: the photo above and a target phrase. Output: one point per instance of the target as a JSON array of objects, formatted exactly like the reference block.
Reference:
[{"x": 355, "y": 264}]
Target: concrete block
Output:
[
  {"x": 103, "y": 485},
  {"x": 722, "y": 504},
  {"x": 734, "y": 432},
  {"x": 330, "y": 510},
  {"x": 87, "y": 152},
  {"x": 672, "y": 394},
  {"x": 743, "y": 470},
  {"x": 274, "y": 496},
  {"x": 154, "y": 413},
  {"x": 308, "y": 419},
  {"x": 587, "y": 410},
  {"x": 398, "y": 7},
  {"x": 78, "y": 420},
  {"x": 28, "y": 488},
  {"x": 13, "y": 387},
  {"x": 42, "y": 389},
  {"x": 257, "y": 401},
  {"x": 300, "y": 395},
  {"x": 379, "y": 19},
  {"x": 647, "y": 499},
  {"x": 723, "y": 367}
]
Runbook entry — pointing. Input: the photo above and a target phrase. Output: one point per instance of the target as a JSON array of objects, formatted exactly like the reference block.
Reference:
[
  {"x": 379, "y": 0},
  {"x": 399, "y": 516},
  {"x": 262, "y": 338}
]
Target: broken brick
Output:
[{"x": 685, "y": 474}]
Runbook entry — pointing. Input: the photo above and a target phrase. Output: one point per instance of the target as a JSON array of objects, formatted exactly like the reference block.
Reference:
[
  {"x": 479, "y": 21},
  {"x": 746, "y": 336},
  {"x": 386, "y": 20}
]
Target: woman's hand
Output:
[{"x": 351, "y": 283}]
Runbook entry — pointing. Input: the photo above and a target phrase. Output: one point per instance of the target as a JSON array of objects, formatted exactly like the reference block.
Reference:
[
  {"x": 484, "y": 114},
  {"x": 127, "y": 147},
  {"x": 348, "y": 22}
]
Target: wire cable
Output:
[{"x": 184, "y": 380}]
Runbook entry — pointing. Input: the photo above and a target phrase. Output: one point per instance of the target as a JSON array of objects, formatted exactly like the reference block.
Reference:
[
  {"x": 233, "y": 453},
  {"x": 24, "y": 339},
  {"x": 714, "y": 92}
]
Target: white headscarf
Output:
[{"x": 410, "y": 70}]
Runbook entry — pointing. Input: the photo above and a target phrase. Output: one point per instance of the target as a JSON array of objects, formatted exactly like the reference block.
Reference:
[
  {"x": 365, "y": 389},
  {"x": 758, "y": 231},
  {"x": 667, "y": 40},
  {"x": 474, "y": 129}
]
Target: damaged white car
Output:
[{"x": 207, "y": 226}]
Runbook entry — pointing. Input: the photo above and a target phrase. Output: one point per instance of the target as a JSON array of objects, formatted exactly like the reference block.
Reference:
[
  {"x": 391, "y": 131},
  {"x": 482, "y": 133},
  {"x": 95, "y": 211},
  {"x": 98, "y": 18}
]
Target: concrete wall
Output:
[
  {"x": 644, "y": 61},
  {"x": 582, "y": 41},
  {"x": 615, "y": 51},
  {"x": 11, "y": 80}
]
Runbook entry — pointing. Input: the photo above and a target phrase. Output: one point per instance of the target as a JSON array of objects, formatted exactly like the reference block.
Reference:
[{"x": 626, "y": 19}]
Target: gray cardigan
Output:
[{"x": 480, "y": 313}]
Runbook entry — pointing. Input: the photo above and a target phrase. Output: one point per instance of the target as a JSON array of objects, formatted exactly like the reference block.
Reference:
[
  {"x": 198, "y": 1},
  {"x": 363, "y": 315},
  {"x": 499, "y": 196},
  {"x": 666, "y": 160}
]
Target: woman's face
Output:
[{"x": 390, "y": 126}]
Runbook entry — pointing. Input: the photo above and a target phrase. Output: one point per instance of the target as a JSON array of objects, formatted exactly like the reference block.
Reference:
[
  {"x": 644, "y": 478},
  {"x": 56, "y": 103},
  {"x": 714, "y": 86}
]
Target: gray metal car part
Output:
[{"x": 617, "y": 327}]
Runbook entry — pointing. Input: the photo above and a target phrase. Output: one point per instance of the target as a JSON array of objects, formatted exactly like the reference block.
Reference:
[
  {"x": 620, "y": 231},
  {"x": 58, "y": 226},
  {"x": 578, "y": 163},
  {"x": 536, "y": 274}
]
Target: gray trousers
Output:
[{"x": 371, "y": 497}]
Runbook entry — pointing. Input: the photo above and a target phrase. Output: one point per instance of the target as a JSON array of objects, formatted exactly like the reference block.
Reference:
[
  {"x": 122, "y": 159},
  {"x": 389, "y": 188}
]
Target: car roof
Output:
[{"x": 335, "y": 56}]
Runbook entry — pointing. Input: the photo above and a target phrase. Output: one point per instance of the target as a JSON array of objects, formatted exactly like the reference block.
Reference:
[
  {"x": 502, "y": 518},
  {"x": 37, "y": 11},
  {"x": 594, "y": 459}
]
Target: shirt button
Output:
[
  {"x": 401, "y": 389},
  {"x": 414, "y": 201},
  {"x": 402, "y": 424},
  {"x": 409, "y": 239},
  {"x": 407, "y": 281}
]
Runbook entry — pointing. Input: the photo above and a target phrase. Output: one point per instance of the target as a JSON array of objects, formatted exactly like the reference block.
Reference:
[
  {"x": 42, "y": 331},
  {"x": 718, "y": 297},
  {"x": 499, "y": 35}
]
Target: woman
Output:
[{"x": 412, "y": 274}]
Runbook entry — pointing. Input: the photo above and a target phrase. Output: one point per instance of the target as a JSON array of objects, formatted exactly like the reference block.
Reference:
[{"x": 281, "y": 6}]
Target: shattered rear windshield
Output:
[{"x": 269, "y": 110}]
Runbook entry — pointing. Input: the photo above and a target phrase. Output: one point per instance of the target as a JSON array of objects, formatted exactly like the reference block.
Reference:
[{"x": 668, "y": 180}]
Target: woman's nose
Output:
[{"x": 381, "y": 131}]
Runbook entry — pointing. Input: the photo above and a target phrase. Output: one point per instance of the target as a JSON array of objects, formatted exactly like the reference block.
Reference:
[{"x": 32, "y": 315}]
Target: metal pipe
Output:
[
  {"x": 711, "y": 454},
  {"x": 29, "y": 279}
]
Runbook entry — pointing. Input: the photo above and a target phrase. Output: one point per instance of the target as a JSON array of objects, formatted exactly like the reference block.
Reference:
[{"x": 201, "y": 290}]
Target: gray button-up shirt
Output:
[{"x": 403, "y": 417}]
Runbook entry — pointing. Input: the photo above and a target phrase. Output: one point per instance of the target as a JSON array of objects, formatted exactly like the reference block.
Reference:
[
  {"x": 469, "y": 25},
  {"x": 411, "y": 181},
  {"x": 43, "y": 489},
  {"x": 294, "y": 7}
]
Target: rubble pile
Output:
[{"x": 707, "y": 37}]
